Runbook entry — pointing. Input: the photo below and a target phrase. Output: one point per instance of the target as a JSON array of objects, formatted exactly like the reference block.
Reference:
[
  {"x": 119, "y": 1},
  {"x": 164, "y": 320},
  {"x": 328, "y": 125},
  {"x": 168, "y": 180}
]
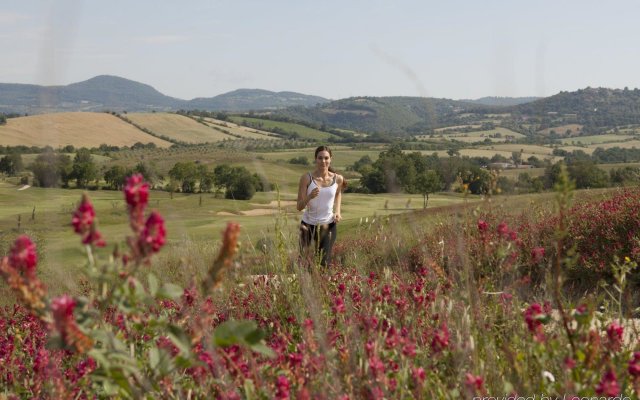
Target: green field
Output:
[
  {"x": 597, "y": 139},
  {"x": 189, "y": 218},
  {"x": 303, "y": 131}
]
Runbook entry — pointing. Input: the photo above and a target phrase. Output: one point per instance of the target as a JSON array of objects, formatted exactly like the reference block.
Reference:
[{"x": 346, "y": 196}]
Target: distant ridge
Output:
[
  {"x": 501, "y": 101},
  {"x": 107, "y": 92}
]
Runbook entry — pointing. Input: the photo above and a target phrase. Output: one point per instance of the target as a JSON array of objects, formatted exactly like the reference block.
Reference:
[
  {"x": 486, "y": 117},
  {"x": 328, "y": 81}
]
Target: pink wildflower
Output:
[
  {"x": 473, "y": 382},
  {"x": 441, "y": 339},
  {"x": 615, "y": 334},
  {"x": 483, "y": 226},
  {"x": 634, "y": 365},
  {"x": 608, "y": 385},
  {"x": 535, "y": 318},
  {"x": 537, "y": 254},
  {"x": 23, "y": 256},
  {"x": 154, "y": 234},
  {"x": 282, "y": 387}
]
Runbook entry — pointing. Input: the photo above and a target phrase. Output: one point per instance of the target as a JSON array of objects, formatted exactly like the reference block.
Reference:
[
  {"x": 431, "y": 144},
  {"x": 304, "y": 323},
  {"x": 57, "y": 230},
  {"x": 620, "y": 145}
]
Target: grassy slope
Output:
[
  {"x": 239, "y": 130},
  {"x": 81, "y": 129},
  {"x": 303, "y": 131},
  {"x": 178, "y": 127}
]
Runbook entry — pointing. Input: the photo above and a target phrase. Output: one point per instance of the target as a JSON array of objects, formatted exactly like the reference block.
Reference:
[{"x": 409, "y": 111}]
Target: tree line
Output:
[{"x": 57, "y": 169}]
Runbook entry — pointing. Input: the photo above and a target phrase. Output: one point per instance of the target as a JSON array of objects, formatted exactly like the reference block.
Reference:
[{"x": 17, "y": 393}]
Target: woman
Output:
[{"x": 320, "y": 196}]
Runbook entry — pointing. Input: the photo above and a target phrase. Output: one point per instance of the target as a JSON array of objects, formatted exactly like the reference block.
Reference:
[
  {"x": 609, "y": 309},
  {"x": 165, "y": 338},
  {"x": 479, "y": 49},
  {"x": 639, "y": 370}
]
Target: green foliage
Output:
[
  {"x": 50, "y": 169},
  {"x": 11, "y": 164},
  {"x": 83, "y": 168}
]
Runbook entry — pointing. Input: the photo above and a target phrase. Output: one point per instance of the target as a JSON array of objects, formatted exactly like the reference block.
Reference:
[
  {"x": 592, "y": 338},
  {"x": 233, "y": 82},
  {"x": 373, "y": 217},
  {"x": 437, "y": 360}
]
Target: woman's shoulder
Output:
[{"x": 306, "y": 177}]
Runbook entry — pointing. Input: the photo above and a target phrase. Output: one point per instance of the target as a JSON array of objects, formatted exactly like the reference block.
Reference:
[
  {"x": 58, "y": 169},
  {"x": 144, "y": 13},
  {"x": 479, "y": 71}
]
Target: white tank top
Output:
[{"x": 320, "y": 209}]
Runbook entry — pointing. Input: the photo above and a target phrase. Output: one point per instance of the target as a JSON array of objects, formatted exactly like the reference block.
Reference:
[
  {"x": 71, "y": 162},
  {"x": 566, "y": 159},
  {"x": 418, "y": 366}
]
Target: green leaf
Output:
[
  {"x": 170, "y": 291},
  {"x": 180, "y": 339},
  {"x": 153, "y": 284},
  {"x": 97, "y": 354},
  {"x": 263, "y": 349},
  {"x": 243, "y": 332},
  {"x": 154, "y": 358}
]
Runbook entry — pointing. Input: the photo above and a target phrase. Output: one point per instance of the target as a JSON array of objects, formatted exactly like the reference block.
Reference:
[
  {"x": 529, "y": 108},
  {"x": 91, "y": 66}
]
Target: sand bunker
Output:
[{"x": 274, "y": 203}]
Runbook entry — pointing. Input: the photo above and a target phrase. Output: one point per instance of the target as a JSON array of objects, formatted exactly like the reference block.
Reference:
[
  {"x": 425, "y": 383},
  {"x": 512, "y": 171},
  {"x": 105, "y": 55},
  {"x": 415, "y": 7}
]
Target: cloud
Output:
[{"x": 161, "y": 39}]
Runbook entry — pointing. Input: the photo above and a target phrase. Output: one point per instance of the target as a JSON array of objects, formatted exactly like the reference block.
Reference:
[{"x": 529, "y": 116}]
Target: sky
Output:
[{"x": 331, "y": 48}]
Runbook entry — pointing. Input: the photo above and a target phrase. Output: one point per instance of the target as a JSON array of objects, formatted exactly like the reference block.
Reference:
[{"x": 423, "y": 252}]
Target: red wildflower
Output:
[
  {"x": 136, "y": 191},
  {"x": 473, "y": 382},
  {"x": 615, "y": 335},
  {"x": 19, "y": 271},
  {"x": 482, "y": 225},
  {"x": 608, "y": 385},
  {"x": 441, "y": 339},
  {"x": 569, "y": 363},
  {"x": 95, "y": 238},
  {"x": 154, "y": 234},
  {"x": 23, "y": 256},
  {"x": 62, "y": 308},
  {"x": 537, "y": 254},
  {"x": 282, "y": 387},
  {"x": 502, "y": 229},
  {"x": 634, "y": 365},
  {"x": 535, "y": 318},
  {"x": 419, "y": 374},
  {"x": 84, "y": 216}
]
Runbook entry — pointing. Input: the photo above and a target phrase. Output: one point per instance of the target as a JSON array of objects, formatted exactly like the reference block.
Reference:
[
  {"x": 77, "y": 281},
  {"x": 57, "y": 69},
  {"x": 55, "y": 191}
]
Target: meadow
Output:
[
  {"x": 150, "y": 294},
  {"x": 466, "y": 299},
  {"x": 289, "y": 127}
]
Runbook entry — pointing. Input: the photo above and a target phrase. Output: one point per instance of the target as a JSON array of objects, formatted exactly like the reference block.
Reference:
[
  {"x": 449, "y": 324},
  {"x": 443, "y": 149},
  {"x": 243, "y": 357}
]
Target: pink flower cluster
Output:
[
  {"x": 150, "y": 235},
  {"x": 83, "y": 222}
]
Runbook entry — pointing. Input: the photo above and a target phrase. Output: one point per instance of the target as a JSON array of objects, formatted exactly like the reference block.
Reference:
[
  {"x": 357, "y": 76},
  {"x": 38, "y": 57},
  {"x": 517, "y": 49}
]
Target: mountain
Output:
[
  {"x": 593, "y": 107},
  {"x": 106, "y": 92},
  {"x": 388, "y": 115},
  {"x": 254, "y": 99},
  {"x": 501, "y": 101}
]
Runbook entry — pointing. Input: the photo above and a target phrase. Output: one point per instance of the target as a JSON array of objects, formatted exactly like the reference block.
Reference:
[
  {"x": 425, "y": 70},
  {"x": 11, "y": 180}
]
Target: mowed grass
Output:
[
  {"x": 178, "y": 127},
  {"x": 303, "y": 131},
  {"x": 562, "y": 130},
  {"x": 189, "y": 218},
  {"x": 540, "y": 151},
  {"x": 597, "y": 139},
  {"x": 81, "y": 129},
  {"x": 624, "y": 145}
]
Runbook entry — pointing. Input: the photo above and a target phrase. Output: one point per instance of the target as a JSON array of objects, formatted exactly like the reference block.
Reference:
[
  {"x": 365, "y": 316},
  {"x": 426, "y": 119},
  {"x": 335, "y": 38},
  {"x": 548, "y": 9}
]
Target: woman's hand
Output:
[
  {"x": 314, "y": 193},
  {"x": 337, "y": 217}
]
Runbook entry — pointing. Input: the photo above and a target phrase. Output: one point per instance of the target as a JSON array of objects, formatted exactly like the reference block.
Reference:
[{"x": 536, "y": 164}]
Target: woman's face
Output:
[{"x": 323, "y": 159}]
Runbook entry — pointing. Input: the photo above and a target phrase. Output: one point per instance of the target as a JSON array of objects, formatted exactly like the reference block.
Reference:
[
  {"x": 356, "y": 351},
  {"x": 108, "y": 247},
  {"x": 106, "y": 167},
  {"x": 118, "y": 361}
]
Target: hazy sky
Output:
[{"x": 331, "y": 48}]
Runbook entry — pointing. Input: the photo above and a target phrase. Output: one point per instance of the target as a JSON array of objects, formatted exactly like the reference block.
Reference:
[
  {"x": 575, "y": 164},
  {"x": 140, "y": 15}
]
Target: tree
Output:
[
  {"x": 587, "y": 175},
  {"x": 11, "y": 164},
  {"x": 427, "y": 183},
  {"x": 83, "y": 169},
  {"x": 115, "y": 177},
  {"x": 186, "y": 175},
  {"x": 50, "y": 168}
]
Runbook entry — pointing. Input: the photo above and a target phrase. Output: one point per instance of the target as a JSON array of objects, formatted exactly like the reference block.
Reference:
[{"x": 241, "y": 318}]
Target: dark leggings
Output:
[{"x": 322, "y": 236}]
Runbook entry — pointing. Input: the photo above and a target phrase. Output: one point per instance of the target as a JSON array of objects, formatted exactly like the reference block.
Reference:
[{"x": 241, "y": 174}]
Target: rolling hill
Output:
[
  {"x": 106, "y": 92},
  {"x": 81, "y": 129}
]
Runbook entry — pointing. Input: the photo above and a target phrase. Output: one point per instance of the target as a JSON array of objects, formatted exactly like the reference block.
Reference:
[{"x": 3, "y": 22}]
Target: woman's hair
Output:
[{"x": 331, "y": 169}]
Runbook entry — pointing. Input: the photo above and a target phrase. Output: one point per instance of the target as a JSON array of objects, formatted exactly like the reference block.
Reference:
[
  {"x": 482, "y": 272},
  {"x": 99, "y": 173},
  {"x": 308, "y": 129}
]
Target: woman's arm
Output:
[
  {"x": 337, "y": 204},
  {"x": 303, "y": 199}
]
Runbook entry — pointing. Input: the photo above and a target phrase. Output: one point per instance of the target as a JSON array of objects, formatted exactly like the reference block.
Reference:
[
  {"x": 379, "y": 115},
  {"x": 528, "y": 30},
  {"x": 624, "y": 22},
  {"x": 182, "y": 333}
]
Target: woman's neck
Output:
[{"x": 321, "y": 172}]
